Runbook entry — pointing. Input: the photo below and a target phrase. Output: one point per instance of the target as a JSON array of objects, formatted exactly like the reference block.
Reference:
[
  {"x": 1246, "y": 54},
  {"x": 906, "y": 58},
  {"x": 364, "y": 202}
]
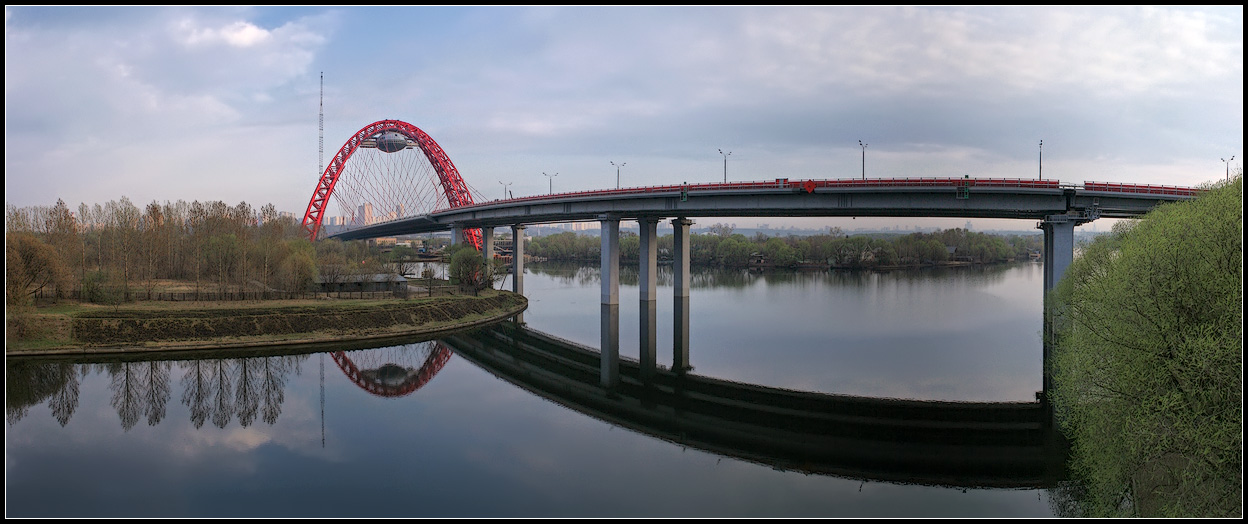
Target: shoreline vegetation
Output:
[
  {"x": 1148, "y": 363},
  {"x": 833, "y": 250},
  {"x": 146, "y": 327}
]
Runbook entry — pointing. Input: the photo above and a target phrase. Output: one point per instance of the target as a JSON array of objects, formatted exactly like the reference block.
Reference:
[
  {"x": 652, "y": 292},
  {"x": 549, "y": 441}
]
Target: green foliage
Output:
[
  {"x": 722, "y": 247},
  {"x": 468, "y": 268},
  {"x": 1149, "y": 359},
  {"x": 299, "y": 267},
  {"x": 98, "y": 287}
]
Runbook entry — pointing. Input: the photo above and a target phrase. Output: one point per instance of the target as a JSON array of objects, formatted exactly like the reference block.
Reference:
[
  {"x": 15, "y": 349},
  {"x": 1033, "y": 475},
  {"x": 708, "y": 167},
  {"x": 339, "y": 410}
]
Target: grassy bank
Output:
[{"x": 70, "y": 328}]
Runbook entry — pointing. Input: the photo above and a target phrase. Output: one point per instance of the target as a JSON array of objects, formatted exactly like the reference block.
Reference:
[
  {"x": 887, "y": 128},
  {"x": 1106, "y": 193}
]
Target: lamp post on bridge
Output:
[
  {"x": 721, "y": 151},
  {"x": 864, "y": 159},
  {"x": 617, "y": 172},
  {"x": 1227, "y": 161},
  {"x": 1041, "y": 173},
  {"x": 505, "y": 188},
  {"x": 552, "y": 181}
]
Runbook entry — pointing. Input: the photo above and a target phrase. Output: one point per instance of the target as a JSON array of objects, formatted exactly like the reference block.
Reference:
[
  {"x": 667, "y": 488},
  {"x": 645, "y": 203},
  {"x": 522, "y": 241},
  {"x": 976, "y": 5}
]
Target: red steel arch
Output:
[
  {"x": 452, "y": 184},
  {"x": 437, "y": 359}
]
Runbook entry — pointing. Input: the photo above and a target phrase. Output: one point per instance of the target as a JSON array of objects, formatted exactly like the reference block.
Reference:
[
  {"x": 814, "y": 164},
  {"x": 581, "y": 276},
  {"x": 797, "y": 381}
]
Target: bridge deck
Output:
[{"x": 904, "y": 197}]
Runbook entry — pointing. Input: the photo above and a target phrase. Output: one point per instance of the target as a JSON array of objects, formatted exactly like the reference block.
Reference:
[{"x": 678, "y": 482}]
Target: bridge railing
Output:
[
  {"x": 785, "y": 183},
  {"x": 1142, "y": 189}
]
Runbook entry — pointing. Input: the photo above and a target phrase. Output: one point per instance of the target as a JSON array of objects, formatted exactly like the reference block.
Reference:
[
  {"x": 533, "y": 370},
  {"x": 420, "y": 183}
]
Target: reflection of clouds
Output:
[{"x": 244, "y": 439}]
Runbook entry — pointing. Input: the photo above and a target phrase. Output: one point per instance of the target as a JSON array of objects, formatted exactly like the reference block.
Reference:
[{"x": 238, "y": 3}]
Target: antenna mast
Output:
[
  {"x": 320, "y": 169},
  {"x": 320, "y": 160}
]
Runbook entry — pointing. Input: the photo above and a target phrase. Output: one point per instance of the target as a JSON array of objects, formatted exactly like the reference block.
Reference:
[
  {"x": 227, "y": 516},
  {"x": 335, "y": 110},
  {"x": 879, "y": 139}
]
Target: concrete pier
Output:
[
  {"x": 610, "y": 277},
  {"x": 680, "y": 295}
]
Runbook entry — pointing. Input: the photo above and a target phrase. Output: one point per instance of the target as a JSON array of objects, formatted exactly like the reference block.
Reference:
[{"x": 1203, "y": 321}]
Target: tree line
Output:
[
  {"x": 722, "y": 247},
  {"x": 117, "y": 252}
]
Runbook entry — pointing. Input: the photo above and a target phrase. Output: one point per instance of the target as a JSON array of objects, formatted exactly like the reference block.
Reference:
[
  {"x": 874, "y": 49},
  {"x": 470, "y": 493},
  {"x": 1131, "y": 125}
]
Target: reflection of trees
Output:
[
  {"x": 195, "y": 391},
  {"x": 139, "y": 388},
  {"x": 248, "y": 394},
  {"x": 218, "y": 389},
  {"x": 261, "y": 385},
  {"x": 220, "y": 395},
  {"x": 28, "y": 383},
  {"x": 215, "y": 389},
  {"x": 276, "y": 369},
  {"x": 159, "y": 390},
  {"x": 65, "y": 400},
  {"x": 715, "y": 277}
]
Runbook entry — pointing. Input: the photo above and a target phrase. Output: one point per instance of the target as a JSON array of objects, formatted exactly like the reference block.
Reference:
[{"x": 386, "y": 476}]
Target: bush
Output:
[
  {"x": 468, "y": 268},
  {"x": 1149, "y": 361}
]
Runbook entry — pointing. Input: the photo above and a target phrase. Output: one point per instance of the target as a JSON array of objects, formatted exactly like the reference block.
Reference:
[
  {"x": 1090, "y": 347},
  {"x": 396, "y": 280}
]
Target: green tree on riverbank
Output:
[
  {"x": 1149, "y": 361},
  {"x": 724, "y": 248}
]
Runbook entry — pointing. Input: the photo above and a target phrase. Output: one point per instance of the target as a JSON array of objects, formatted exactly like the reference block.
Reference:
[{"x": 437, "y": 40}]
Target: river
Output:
[{"x": 301, "y": 436}]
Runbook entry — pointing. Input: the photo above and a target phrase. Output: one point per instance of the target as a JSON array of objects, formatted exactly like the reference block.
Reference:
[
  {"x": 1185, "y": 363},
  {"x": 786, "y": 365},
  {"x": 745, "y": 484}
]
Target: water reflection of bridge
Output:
[{"x": 1005, "y": 445}]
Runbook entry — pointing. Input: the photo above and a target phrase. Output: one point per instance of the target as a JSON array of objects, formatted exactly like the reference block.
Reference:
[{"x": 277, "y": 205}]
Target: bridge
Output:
[{"x": 443, "y": 203}]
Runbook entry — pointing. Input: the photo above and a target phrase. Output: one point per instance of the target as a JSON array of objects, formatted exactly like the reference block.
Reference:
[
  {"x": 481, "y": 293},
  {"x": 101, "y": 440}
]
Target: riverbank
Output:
[{"x": 81, "y": 329}]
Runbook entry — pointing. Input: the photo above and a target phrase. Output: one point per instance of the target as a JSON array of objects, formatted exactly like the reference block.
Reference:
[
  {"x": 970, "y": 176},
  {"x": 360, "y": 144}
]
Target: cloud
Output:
[
  {"x": 237, "y": 34},
  {"x": 229, "y": 95}
]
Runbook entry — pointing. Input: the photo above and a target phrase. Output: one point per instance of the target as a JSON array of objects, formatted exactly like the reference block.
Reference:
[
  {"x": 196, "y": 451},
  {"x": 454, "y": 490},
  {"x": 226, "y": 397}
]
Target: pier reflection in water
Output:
[
  {"x": 963, "y": 444},
  {"x": 232, "y": 435}
]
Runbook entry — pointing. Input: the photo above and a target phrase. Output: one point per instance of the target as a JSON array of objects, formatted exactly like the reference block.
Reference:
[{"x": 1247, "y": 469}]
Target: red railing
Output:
[
  {"x": 811, "y": 185},
  {"x": 1140, "y": 189},
  {"x": 784, "y": 183}
]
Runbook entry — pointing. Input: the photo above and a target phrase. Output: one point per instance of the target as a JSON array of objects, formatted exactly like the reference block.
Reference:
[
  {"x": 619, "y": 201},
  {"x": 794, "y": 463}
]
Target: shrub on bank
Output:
[{"x": 1149, "y": 361}]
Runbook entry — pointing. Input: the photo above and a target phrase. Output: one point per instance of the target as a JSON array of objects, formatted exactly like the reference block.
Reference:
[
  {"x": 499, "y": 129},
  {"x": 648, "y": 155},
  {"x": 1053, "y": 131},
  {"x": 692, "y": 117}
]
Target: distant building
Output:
[{"x": 384, "y": 241}]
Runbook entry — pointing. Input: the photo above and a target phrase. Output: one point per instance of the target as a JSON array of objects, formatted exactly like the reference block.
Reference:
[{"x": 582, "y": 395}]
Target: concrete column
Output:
[
  {"x": 1059, "y": 253},
  {"x": 648, "y": 352},
  {"x": 610, "y": 345},
  {"x": 680, "y": 333},
  {"x": 680, "y": 295},
  {"x": 648, "y": 271},
  {"x": 517, "y": 259},
  {"x": 610, "y": 277},
  {"x": 1059, "y": 249},
  {"x": 610, "y": 259},
  {"x": 487, "y": 253},
  {"x": 487, "y": 244},
  {"x": 680, "y": 258},
  {"x": 648, "y": 275},
  {"x": 457, "y": 235}
]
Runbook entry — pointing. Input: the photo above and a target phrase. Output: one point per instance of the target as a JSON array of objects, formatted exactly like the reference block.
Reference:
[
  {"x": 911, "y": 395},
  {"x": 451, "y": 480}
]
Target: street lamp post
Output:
[
  {"x": 1041, "y": 173},
  {"x": 1227, "y": 161},
  {"x": 721, "y": 151},
  {"x": 864, "y": 159},
  {"x": 505, "y": 188},
  {"x": 552, "y": 181},
  {"x": 617, "y": 172}
]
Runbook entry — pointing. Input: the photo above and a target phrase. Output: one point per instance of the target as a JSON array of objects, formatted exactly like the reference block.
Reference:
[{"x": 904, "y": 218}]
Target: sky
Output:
[{"x": 224, "y": 103}]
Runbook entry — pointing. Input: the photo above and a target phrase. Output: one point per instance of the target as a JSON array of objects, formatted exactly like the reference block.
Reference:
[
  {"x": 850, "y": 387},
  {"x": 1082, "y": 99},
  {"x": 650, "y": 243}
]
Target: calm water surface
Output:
[{"x": 295, "y": 436}]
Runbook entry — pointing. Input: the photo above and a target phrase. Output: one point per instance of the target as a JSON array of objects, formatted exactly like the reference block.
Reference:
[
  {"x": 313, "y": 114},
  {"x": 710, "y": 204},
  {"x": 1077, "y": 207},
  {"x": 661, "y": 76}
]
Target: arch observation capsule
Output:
[{"x": 391, "y": 142}]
